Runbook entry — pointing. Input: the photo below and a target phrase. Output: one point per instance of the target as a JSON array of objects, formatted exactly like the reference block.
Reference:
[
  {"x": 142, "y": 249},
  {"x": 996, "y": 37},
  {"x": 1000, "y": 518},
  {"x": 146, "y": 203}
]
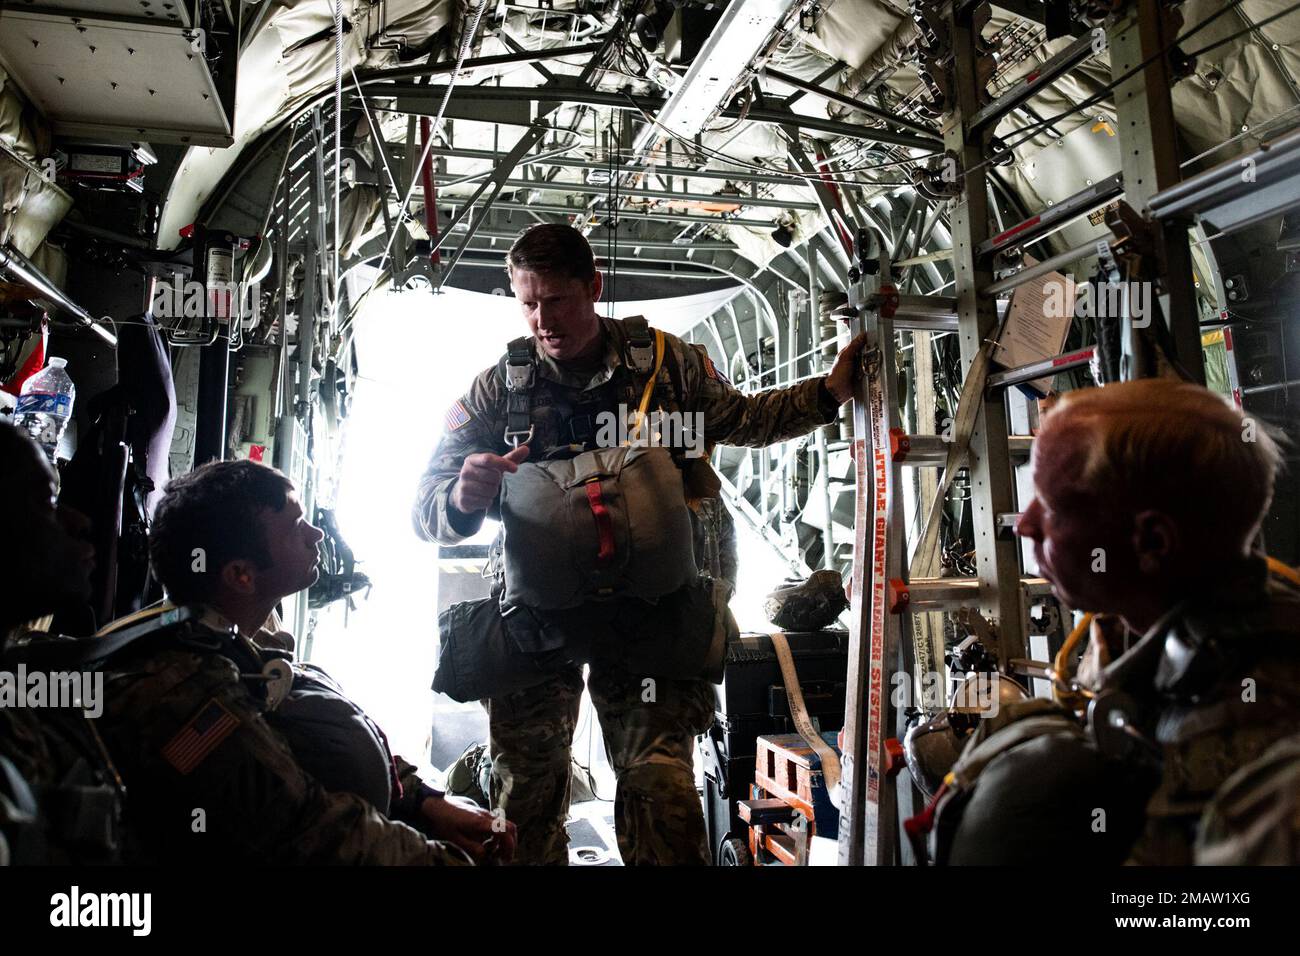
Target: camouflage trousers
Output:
[{"x": 649, "y": 728}]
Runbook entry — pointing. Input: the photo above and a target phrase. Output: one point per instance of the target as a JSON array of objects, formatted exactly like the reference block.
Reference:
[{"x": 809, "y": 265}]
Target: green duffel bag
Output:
[{"x": 607, "y": 524}]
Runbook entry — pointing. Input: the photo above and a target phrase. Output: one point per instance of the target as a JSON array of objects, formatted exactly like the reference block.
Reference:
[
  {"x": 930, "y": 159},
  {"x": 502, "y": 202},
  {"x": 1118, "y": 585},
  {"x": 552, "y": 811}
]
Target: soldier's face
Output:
[
  {"x": 560, "y": 312},
  {"x": 1078, "y": 535},
  {"x": 291, "y": 541}
]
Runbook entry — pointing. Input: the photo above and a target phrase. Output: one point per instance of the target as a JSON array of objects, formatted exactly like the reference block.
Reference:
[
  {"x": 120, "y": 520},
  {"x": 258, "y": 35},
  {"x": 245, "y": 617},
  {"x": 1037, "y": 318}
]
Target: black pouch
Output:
[{"x": 480, "y": 655}]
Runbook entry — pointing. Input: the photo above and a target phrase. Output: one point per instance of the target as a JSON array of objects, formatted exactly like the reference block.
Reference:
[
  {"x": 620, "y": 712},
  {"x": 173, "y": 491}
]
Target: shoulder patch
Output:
[
  {"x": 457, "y": 417},
  {"x": 193, "y": 742},
  {"x": 712, "y": 371}
]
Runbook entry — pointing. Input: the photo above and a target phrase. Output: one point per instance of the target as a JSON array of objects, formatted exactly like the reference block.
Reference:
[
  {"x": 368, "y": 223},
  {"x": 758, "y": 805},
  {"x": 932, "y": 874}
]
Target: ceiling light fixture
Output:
[{"x": 741, "y": 33}]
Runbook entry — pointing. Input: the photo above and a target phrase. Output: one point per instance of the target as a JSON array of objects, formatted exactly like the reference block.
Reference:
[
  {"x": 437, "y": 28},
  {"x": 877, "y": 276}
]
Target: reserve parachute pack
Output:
[
  {"x": 608, "y": 523},
  {"x": 1031, "y": 787},
  {"x": 599, "y": 558}
]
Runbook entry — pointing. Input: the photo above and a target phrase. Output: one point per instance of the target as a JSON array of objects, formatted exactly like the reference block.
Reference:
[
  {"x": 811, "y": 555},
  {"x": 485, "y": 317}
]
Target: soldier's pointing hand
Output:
[{"x": 480, "y": 479}]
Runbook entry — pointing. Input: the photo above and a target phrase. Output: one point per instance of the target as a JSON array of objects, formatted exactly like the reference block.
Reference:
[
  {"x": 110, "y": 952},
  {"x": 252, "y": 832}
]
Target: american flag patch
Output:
[
  {"x": 713, "y": 372},
  {"x": 456, "y": 417},
  {"x": 192, "y": 744}
]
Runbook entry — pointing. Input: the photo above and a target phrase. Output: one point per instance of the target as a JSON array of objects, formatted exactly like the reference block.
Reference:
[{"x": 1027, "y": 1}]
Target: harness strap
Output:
[
  {"x": 644, "y": 353},
  {"x": 519, "y": 375},
  {"x": 649, "y": 387}
]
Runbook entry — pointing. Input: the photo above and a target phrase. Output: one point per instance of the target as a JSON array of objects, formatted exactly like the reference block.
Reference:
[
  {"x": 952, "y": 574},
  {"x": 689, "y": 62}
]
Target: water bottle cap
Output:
[{"x": 56, "y": 362}]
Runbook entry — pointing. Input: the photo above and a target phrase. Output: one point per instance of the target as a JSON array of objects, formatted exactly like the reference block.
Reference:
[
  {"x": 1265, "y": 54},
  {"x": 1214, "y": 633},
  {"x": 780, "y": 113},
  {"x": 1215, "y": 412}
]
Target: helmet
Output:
[
  {"x": 930, "y": 748},
  {"x": 981, "y": 695},
  {"x": 807, "y": 605}
]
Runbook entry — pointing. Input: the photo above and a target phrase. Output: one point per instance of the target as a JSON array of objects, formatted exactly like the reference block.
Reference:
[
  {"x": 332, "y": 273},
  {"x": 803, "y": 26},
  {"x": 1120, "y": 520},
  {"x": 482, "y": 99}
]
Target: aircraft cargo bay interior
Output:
[{"x": 735, "y": 433}]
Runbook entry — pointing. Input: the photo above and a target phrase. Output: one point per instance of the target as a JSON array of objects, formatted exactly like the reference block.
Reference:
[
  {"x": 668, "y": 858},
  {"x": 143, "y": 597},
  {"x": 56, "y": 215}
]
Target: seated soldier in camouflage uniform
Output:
[
  {"x": 59, "y": 799},
  {"x": 581, "y": 373},
  {"x": 1149, "y": 499},
  {"x": 218, "y": 763}
]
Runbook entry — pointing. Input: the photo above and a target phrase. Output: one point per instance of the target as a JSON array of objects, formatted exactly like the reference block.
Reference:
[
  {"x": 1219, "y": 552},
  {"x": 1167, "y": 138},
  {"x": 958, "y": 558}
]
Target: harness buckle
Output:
[
  {"x": 519, "y": 377},
  {"x": 512, "y": 436},
  {"x": 642, "y": 356}
]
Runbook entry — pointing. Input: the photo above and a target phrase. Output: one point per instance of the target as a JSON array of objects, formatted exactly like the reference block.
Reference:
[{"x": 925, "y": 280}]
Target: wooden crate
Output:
[{"x": 788, "y": 769}]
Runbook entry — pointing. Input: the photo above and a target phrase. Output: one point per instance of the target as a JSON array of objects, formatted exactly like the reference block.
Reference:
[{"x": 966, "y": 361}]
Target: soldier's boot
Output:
[
  {"x": 649, "y": 727},
  {"x": 530, "y": 736}
]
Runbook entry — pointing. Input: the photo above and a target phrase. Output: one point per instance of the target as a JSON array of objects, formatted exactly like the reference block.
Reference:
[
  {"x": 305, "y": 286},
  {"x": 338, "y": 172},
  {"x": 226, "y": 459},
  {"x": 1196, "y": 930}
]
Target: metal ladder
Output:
[{"x": 885, "y": 591}]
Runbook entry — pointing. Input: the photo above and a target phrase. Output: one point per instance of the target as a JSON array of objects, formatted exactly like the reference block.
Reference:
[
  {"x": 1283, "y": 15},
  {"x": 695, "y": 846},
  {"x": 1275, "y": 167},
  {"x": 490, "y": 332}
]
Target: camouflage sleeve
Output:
[
  {"x": 731, "y": 417},
  {"x": 206, "y": 771},
  {"x": 474, "y": 424},
  {"x": 406, "y": 807}
]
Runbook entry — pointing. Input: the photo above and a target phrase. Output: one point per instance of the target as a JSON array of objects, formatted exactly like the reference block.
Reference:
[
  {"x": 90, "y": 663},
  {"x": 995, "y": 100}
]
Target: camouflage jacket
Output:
[
  {"x": 687, "y": 382},
  {"x": 59, "y": 799},
  {"x": 210, "y": 780},
  {"x": 1216, "y": 683}
]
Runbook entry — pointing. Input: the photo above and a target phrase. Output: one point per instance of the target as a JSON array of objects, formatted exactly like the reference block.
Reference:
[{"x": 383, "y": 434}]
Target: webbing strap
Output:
[
  {"x": 1283, "y": 570},
  {"x": 799, "y": 712},
  {"x": 649, "y": 387},
  {"x": 519, "y": 373}
]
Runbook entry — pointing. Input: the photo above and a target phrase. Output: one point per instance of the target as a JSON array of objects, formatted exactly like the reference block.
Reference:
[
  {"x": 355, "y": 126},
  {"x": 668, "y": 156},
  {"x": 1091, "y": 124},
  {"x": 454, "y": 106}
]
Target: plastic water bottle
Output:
[{"x": 45, "y": 405}]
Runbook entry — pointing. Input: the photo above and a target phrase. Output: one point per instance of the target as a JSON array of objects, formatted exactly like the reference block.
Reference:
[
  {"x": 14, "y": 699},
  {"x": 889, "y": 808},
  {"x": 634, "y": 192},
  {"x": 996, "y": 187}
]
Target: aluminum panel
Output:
[{"x": 114, "y": 80}]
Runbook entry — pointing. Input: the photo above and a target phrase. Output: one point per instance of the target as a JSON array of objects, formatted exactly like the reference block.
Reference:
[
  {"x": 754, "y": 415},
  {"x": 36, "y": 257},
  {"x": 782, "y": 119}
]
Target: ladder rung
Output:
[
  {"x": 1045, "y": 75},
  {"x": 926, "y": 313},
  {"x": 919, "y": 313},
  {"x": 1042, "y": 670},
  {"x": 948, "y": 594},
  {"x": 931, "y": 451},
  {"x": 1099, "y": 193},
  {"x": 1051, "y": 366},
  {"x": 1046, "y": 267}
]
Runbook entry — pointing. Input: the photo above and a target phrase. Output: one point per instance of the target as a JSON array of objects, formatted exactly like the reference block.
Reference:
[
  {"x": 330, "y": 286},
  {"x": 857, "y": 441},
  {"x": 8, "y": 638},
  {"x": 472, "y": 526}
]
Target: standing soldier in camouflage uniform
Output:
[{"x": 580, "y": 371}]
